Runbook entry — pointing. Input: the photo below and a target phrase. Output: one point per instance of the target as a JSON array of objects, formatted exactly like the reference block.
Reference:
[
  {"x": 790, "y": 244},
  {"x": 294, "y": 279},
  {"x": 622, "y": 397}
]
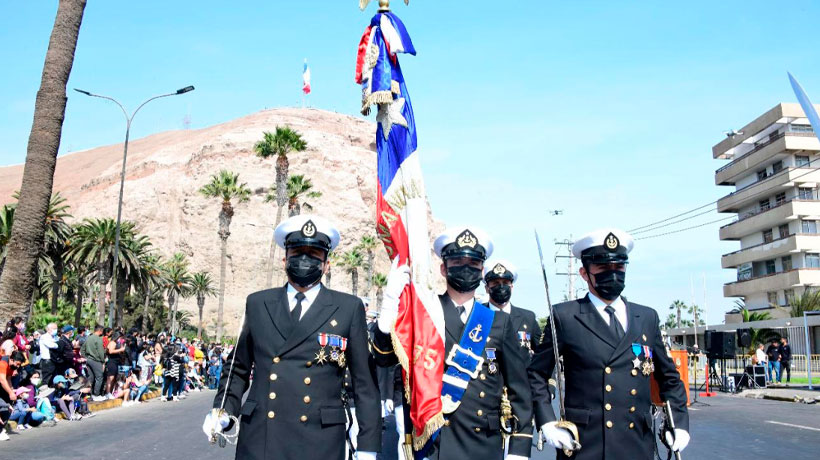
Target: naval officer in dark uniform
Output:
[
  {"x": 610, "y": 347},
  {"x": 499, "y": 278},
  {"x": 473, "y": 428},
  {"x": 299, "y": 339}
]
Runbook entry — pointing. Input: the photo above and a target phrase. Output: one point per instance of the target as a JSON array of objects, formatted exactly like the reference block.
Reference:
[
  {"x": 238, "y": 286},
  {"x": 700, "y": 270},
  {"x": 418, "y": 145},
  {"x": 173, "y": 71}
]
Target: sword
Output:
[
  {"x": 667, "y": 409},
  {"x": 806, "y": 104},
  {"x": 559, "y": 371}
]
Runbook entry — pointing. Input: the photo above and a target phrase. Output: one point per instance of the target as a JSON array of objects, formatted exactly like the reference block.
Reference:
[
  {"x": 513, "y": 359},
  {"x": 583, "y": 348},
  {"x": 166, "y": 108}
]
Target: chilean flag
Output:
[
  {"x": 306, "y": 79},
  {"x": 401, "y": 220}
]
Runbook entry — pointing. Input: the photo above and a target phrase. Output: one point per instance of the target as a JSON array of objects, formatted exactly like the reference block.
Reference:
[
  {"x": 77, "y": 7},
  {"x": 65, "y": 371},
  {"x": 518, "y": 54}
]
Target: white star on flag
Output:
[{"x": 389, "y": 115}]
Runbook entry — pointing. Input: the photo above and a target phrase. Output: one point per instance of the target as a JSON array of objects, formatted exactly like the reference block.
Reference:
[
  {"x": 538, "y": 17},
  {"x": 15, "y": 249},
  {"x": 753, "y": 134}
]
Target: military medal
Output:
[
  {"x": 636, "y": 350},
  {"x": 341, "y": 361},
  {"x": 334, "y": 342},
  {"x": 524, "y": 338},
  {"x": 647, "y": 367},
  {"x": 321, "y": 357},
  {"x": 491, "y": 364}
]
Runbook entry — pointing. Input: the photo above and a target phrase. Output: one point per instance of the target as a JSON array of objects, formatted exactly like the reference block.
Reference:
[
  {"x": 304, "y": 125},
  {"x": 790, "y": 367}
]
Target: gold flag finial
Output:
[{"x": 384, "y": 5}]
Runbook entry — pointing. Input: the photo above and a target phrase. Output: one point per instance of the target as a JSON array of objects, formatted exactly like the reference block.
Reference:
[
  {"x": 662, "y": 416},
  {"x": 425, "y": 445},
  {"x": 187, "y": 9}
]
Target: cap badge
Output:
[
  {"x": 309, "y": 229},
  {"x": 611, "y": 242},
  {"x": 466, "y": 240},
  {"x": 499, "y": 269}
]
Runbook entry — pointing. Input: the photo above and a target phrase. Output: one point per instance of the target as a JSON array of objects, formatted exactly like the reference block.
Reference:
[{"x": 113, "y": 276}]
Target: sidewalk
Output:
[{"x": 784, "y": 392}]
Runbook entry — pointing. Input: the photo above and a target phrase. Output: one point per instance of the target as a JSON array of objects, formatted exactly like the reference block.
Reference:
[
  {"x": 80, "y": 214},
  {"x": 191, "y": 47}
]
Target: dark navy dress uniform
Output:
[
  {"x": 524, "y": 322},
  {"x": 473, "y": 431}
]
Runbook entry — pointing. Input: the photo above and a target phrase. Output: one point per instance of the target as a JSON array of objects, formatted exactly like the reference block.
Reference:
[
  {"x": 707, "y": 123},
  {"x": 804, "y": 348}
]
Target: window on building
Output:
[
  {"x": 772, "y": 298},
  {"x": 784, "y": 230},
  {"x": 764, "y": 204},
  {"x": 809, "y": 226},
  {"x": 786, "y": 261},
  {"x": 761, "y": 174},
  {"x": 777, "y": 166},
  {"x": 789, "y": 295},
  {"x": 767, "y": 236},
  {"x": 812, "y": 260},
  {"x": 806, "y": 193},
  {"x": 801, "y": 129},
  {"x": 770, "y": 267},
  {"x": 801, "y": 161},
  {"x": 780, "y": 198}
]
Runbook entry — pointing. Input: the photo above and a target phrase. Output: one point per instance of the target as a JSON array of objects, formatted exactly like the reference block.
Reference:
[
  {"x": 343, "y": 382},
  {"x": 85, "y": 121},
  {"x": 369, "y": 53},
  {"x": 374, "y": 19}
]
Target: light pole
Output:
[
  {"x": 128, "y": 119},
  {"x": 808, "y": 343}
]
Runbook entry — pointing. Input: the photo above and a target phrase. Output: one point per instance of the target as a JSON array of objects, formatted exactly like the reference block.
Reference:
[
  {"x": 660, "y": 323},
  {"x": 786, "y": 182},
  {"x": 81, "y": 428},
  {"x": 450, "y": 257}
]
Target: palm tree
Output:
[
  {"x": 178, "y": 285},
  {"x": 333, "y": 259},
  {"x": 367, "y": 244},
  {"x": 57, "y": 236},
  {"x": 6, "y": 221},
  {"x": 201, "y": 286},
  {"x": 671, "y": 322},
  {"x": 352, "y": 261},
  {"x": 380, "y": 281},
  {"x": 226, "y": 186},
  {"x": 298, "y": 189},
  {"x": 279, "y": 144},
  {"x": 152, "y": 277},
  {"x": 19, "y": 280},
  {"x": 696, "y": 312},
  {"x": 758, "y": 335},
  {"x": 92, "y": 244},
  {"x": 678, "y": 306},
  {"x": 809, "y": 300}
]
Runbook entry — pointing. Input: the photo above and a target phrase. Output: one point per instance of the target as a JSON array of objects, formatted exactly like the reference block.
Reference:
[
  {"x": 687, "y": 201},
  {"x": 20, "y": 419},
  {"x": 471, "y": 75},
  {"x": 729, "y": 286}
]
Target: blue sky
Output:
[{"x": 607, "y": 110}]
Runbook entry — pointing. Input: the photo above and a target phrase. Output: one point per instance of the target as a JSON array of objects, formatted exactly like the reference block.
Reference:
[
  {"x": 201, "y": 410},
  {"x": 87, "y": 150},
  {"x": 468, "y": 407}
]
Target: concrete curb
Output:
[{"x": 793, "y": 399}]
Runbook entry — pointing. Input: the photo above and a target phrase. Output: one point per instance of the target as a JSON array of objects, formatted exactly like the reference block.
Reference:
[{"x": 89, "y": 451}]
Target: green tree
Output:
[
  {"x": 696, "y": 312},
  {"x": 153, "y": 278},
  {"x": 25, "y": 245},
  {"x": 298, "y": 189},
  {"x": 671, "y": 322},
  {"x": 279, "y": 144},
  {"x": 225, "y": 186},
  {"x": 57, "y": 236},
  {"x": 678, "y": 306},
  {"x": 758, "y": 335},
  {"x": 380, "y": 281},
  {"x": 179, "y": 281},
  {"x": 809, "y": 300},
  {"x": 333, "y": 259},
  {"x": 352, "y": 261},
  {"x": 201, "y": 287},
  {"x": 368, "y": 244}
]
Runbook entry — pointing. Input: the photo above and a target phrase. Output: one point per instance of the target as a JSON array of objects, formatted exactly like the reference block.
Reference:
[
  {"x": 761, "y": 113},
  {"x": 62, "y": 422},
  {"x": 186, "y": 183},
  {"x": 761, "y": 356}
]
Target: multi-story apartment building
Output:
[{"x": 772, "y": 166}]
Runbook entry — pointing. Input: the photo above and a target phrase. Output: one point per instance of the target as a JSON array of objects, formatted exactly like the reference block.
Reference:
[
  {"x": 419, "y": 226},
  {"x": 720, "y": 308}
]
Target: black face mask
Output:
[
  {"x": 464, "y": 278},
  {"x": 304, "y": 270},
  {"x": 501, "y": 293},
  {"x": 610, "y": 283}
]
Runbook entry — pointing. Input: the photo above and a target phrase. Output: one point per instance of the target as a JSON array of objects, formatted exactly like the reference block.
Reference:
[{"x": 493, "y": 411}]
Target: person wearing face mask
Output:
[
  {"x": 610, "y": 347},
  {"x": 48, "y": 345},
  {"x": 299, "y": 340},
  {"x": 473, "y": 425},
  {"x": 499, "y": 277}
]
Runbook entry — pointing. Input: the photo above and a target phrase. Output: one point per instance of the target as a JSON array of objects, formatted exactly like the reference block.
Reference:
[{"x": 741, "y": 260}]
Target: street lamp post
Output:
[
  {"x": 128, "y": 119},
  {"x": 808, "y": 343}
]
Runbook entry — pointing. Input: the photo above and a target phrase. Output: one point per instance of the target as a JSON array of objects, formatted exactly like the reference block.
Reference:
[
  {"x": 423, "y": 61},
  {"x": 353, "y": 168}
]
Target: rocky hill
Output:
[{"x": 166, "y": 170}]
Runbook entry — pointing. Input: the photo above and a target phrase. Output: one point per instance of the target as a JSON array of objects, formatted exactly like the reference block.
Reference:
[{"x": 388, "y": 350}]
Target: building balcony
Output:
[
  {"x": 773, "y": 147},
  {"x": 765, "y": 188},
  {"x": 774, "y": 282},
  {"x": 780, "y": 247},
  {"x": 771, "y": 218}
]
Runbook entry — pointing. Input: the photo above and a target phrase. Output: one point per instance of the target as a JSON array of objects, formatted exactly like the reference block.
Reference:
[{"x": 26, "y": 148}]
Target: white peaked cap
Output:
[
  {"x": 499, "y": 267},
  {"x": 602, "y": 238},
  {"x": 466, "y": 238},
  {"x": 309, "y": 226}
]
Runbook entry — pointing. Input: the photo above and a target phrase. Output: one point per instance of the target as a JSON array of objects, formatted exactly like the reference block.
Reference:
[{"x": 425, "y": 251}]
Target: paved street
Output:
[{"x": 729, "y": 428}]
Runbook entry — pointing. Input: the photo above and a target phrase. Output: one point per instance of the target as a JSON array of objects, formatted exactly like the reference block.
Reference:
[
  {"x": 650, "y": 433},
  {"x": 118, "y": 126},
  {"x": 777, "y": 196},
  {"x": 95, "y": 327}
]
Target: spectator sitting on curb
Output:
[
  {"x": 63, "y": 399},
  {"x": 44, "y": 406},
  {"x": 23, "y": 413}
]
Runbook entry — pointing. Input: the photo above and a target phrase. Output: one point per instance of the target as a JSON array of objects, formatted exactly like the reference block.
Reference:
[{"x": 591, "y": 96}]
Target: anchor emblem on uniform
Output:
[
  {"x": 309, "y": 229},
  {"x": 475, "y": 334}
]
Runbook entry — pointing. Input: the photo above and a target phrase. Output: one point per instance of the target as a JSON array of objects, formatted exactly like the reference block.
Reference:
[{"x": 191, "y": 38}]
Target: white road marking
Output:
[{"x": 793, "y": 426}]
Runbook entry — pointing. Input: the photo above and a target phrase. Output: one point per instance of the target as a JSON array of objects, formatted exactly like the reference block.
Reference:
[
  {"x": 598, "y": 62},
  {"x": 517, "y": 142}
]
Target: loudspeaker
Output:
[
  {"x": 728, "y": 345},
  {"x": 744, "y": 338},
  {"x": 720, "y": 344},
  {"x": 707, "y": 340}
]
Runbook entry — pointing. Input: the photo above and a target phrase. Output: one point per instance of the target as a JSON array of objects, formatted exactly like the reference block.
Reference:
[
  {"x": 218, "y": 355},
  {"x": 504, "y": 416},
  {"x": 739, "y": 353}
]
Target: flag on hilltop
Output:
[
  {"x": 401, "y": 222},
  {"x": 306, "y": 79}
]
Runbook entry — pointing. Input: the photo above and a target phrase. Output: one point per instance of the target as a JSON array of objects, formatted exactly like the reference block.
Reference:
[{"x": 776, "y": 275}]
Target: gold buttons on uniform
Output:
[
  {"x": 276, "y": 360},
  {"x": 446, "y": 423},
  {"x": 271, "y": 414},
  {"x": 303, "y": 418},
  {"x": 480, "y": 413},
  {"x": 609, "y": 423},
  {"x": 483, "y": 377},
  {"x": 309, "y": 363},
  {"x": 477, "y": 430},
  {"x": 307, "y": 380},
  {"x": 307, "y": 399},
  {"x": 632, "y": 409},
  {"x": 273, "y": 377},
  {"x": 608, "y": 370},
  {"x": 272, "y": 395},
  {"x": 608, "y": 388},
  {"x": 481, "y": 395},
  {"x": 631, "y": 425},
  {"x": 608, "y": 406},
  {"x": 633, "y": 392},
  {"x": 634, "y": 372}
]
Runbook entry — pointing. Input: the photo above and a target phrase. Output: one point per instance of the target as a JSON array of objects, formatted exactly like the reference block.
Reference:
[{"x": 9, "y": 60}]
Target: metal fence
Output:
[{"x": 798, "y": 365}]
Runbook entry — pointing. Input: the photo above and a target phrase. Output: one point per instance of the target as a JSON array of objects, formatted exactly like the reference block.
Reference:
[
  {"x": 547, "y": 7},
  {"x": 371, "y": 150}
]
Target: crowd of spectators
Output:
[{"x": 53, "y": 374}]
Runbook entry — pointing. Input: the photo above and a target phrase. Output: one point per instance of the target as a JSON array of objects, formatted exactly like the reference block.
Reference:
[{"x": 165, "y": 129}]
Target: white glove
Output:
[
  {"x": 397, "y": 279},
  {"x": 558, "y": 438},
  {"x": 215, "y": 424},
  {"x": 681, "y": 440},
  {"x": 365, "y": 455},
  {"x": 516, "y": 457},
  {"x": 388, "y": 406}
]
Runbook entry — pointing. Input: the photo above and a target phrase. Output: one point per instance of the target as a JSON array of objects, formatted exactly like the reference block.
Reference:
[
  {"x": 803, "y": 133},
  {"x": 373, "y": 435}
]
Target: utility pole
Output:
[{"x": 570, "y": 273}]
